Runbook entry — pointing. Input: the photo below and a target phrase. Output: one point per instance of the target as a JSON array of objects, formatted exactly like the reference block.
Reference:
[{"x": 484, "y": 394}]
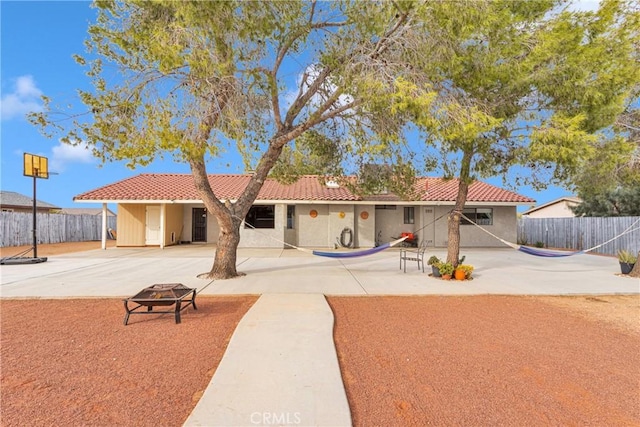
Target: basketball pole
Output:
[{"x": 35, "y": 239}]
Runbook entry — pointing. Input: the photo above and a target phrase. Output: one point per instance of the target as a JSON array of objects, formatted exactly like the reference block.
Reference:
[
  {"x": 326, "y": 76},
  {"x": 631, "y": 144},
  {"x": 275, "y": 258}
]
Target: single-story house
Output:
[
  {"x": 15, "y": 202},
  {"x": 165, "y": 209},
  {"x": 558, "y": 208}
]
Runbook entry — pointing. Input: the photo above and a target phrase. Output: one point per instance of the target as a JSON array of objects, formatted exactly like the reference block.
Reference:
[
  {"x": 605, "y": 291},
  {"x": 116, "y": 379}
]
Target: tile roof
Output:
[
  {"x": 145, "y": 187},
  {"x": 13, "y": 199}
]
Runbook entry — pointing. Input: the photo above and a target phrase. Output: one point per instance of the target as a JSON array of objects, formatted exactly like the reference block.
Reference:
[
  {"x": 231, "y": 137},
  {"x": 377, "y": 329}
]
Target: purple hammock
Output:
[
  {"x": 549, "y": 254},
  {"x": 355, "y": 254}
]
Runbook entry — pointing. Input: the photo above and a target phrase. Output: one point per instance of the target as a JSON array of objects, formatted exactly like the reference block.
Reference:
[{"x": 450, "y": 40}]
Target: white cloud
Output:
[
  {"x": 24, "y": 98},
  {"x": 64, "y": 154}
]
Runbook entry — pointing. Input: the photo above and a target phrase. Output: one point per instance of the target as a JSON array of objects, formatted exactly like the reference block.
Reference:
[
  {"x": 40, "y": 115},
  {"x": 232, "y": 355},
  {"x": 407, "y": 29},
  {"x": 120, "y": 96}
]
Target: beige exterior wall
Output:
[
  {"x": 390, "y": 222},
  {"x": 312, "y": 232},
  {"x": 556, "y": 210},
  {"x": 325, "y": 229},
  {"x": 365, "y": 228},
  {"x": 291, "y": 234},
  {"x": 266, "y": 237},
  {"x": 340, "y": 217},
  {"x": 504, "y": 226},
  {"x": 174, "y": 224},
  {"x": 131, "y": 225}
]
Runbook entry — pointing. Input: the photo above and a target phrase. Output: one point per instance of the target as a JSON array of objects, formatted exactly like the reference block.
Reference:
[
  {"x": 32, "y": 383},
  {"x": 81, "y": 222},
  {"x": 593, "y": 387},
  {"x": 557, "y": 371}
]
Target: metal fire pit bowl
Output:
[{"x": 161, "y": 295}]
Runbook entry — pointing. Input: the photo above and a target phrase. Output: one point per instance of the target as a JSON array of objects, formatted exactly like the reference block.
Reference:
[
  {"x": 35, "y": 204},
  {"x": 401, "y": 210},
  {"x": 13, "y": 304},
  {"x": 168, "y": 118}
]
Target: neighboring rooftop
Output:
[
  {"x": 567, "y": 200},
  {"x": 180, "y": 187},
  {"x": 13, "y": 200},
  {"x": 85, "y": 211}
]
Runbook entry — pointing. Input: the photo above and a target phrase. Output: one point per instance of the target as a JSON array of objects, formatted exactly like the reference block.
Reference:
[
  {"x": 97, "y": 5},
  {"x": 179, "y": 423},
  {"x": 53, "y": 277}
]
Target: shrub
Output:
[
  {"x": 445, "y": 268},
  {"x": 627, "y": 257},
  {"x": 433, "y": 260}
]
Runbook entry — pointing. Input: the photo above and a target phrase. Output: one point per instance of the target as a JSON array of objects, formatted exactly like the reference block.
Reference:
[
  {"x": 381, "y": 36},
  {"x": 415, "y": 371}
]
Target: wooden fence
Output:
[
  {"x": 581, "y": 233},
  {"x": 16, "y": 228}
]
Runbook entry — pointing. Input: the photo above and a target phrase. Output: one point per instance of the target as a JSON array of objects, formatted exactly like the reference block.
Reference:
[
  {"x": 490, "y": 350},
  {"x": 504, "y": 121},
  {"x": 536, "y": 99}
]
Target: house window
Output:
[
  {"x": 260, "y": 216},
  {"x": 481, "y": 216},
  {"x": 388, "y": 207},
  {"x": 409, "y": 217},
  {"x": 291, "y": 217}
]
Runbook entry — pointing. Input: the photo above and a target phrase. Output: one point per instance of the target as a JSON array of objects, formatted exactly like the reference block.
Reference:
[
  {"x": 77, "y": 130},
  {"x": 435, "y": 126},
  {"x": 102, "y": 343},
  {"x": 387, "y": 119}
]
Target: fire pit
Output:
[{"x": 161, "y": 294}]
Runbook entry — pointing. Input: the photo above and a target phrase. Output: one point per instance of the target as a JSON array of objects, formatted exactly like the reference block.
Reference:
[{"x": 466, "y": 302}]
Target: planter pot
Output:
[
  {"x": 446, "y": 277},
  {"x": 459, "y": 275},
  {"x": 435, "y": 271},
  {"x": 626, "y": 268}
]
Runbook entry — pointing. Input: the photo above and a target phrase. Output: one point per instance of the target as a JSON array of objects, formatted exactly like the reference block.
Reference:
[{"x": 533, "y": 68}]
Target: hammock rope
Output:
[{"x": 553, "y": 254}]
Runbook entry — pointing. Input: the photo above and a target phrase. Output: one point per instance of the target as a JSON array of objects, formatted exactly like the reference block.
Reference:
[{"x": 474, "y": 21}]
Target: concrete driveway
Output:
[{"x": 122, "y": 272}]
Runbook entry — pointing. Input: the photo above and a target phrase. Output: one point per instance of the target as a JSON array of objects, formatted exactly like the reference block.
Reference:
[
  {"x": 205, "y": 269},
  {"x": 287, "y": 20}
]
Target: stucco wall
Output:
[
  {"x": 266, "y": 237},
  {"x": 312, "y": 232},
  {"x": 324, "y": 230},
  {"x": 131, "y": 225},
  {"x": 173, "y": 224},
  {"x": 391, "y": 223},
  {"x": 365, "y": 228},
  {"x": 340, "y": 217},
  {"x": 504, "y": 226}
]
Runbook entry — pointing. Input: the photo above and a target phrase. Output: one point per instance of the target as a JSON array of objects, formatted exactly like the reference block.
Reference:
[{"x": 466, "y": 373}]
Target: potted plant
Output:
[
  {"x": 446, "y": 270},
  {"x": 434, "y": 261},
  {"x": 627, "y": 261},
  {"x": 463, "y": 271}
]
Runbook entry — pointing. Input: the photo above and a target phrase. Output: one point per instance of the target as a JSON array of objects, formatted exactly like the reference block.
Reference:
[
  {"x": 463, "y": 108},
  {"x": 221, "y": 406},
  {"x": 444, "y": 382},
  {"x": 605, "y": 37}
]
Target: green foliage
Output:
[
  {"x": 445, "y": 268},
  {"x": 312, "y": 153},
  {"x": 433, "y": 260},
  {"x": 627, "y": 257},
  {"x": 622, "y": 201}
]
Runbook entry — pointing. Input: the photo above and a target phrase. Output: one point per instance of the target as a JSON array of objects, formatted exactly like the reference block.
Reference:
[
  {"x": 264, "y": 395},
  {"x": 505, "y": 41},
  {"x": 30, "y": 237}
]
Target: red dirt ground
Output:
[
  {"x": 72, "y": 362},
  {"x": 484, "y": 360}
]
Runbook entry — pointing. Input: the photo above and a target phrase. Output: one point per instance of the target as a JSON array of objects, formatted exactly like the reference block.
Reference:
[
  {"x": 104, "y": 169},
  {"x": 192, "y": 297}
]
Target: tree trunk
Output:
[
  {"x": 453, "y": 221},
  {"x": 230, "y": 216},
  {"x": 635, "y": 272},
  {"x": 224, "y": 262}
]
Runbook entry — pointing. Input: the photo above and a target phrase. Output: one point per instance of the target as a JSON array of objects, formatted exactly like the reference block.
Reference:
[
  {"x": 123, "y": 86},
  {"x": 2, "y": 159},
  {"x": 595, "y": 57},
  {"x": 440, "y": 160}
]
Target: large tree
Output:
[
  {"x": 187, "y": 77},
  {"x": 523, "y": 84}
]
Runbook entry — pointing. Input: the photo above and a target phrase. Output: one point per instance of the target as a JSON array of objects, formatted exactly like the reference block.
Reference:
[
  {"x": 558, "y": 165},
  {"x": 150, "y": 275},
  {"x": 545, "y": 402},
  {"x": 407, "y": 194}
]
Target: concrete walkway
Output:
[{"x": 280, "y": 368}]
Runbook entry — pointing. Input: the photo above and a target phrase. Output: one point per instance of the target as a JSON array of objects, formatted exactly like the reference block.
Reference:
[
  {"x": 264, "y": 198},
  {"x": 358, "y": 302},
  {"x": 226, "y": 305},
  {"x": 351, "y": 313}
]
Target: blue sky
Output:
[{"x": 38, "y": 40}]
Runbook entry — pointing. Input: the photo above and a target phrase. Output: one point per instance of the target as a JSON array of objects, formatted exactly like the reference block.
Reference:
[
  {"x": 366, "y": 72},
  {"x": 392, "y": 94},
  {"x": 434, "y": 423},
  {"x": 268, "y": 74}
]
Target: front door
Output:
[
  {"x": 199, "y": 225},
  {"x": 153, "y": 226}
]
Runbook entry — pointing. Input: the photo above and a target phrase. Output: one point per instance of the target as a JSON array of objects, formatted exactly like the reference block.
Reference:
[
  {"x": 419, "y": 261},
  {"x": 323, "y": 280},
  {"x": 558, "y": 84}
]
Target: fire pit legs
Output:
[{"x": 167, "y": 294}]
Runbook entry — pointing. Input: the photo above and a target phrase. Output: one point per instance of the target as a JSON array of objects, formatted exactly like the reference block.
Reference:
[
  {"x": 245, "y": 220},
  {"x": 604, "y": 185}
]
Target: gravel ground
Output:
[
  {"x": 486, "y": 360},
  {"x": 72, "y": 362}
]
